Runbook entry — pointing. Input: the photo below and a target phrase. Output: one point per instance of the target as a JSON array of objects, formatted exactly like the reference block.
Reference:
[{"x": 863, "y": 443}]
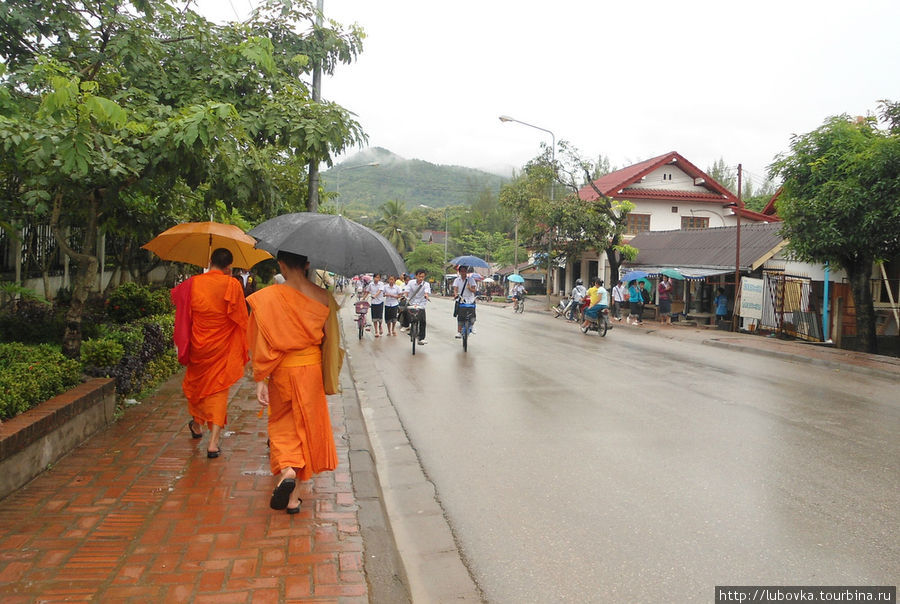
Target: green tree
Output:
[
  {"x": 723, "y": 174},
  {"x": 841, "y": 202},
  {"x": 397, "y": 225},
  {"x": 112, "y": 111},
  {"x": 598, "y": 224},
  {"x": 428, "y": 256}
]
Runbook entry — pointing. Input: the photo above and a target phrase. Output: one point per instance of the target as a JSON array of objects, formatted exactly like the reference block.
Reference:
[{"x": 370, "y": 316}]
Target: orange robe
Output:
[
  {"x": 218, "y": 351},
  {"x": 285, "y": 334}
]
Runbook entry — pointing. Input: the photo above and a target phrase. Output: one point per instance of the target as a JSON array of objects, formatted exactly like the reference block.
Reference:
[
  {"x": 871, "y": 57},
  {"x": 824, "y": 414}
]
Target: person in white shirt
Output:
[
  {"x": 465, "y": 288},
  {"x": 418, "y": 293},
  {"x": 578, "y": 294},
  {"x": 618, "y": 295},
  {"x": 375, "y": 290},
  {"x": 392, "y": 293}
]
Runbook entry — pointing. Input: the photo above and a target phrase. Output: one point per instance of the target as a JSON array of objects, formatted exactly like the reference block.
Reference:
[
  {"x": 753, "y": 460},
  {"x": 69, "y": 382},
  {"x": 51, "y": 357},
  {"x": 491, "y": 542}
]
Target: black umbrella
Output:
[{"x": 331, "y": 242}]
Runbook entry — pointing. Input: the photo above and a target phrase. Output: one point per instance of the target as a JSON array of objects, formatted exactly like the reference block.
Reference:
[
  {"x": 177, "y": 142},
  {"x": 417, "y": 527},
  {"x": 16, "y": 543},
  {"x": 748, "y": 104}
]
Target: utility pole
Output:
[
  {"x": 737, "y": 252},
  {"x": 313, "y": 205}
]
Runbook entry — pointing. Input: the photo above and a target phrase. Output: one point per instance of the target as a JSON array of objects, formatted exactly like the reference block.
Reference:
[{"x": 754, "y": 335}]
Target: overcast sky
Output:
[{"x": 630, "y": 80}]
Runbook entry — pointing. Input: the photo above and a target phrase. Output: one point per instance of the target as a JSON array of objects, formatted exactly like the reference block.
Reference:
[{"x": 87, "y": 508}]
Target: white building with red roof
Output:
[{"x": 668, "y": 193}]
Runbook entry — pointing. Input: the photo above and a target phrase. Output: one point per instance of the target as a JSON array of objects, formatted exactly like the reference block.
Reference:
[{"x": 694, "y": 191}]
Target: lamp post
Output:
[
  {"x": 337, "y": 182},
  {"x": 506, "y": 118}
]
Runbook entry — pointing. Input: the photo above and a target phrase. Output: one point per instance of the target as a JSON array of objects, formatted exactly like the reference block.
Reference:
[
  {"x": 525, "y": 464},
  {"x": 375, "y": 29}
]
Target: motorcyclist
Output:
[
  {"x": 599, "y": 301},
  {"x": 578, "y": 294}
]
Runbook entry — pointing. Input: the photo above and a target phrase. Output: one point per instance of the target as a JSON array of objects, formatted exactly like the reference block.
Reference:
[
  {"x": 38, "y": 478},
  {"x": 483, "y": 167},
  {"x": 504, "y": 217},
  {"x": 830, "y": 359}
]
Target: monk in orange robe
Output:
[
  {"x": 216, "y": 351},
  {"x": 287, "y": 325}
]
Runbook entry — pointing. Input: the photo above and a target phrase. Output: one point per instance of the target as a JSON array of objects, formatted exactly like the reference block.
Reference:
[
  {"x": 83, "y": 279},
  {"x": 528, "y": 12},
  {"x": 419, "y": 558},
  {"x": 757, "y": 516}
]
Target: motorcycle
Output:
[
  {"x": 600, "y": 324},
  {"x": 562, "y": 307}
]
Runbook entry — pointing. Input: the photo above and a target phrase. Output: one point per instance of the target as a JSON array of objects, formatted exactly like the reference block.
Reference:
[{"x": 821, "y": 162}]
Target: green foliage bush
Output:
[
  {"x": 32, "y": 322},
  {"x": 32, "y": 374},
  {"x": 131, "y": 301},
  {"x": 101, "y": 353}
]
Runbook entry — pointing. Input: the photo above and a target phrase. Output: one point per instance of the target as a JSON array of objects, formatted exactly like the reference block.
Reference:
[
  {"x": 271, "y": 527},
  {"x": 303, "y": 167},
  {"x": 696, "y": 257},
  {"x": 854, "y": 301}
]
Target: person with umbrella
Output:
[
  {"x": 464, "y": 288},
  {"x": 210, "y": 337},
  {"x": 289, "y": 325},
  {"x": 635, "y": 302}
]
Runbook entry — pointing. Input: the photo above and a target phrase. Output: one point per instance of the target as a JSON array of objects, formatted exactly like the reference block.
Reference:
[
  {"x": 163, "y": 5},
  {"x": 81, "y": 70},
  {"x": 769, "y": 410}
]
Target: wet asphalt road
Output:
[{"x": 643, "y": 469}]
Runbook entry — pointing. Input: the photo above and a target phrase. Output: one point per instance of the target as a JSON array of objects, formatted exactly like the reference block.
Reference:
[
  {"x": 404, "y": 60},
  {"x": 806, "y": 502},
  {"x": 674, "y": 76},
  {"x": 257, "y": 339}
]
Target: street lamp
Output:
[
  {"x": 506, "y": 118},
  {"x": 337, "y": 183}
]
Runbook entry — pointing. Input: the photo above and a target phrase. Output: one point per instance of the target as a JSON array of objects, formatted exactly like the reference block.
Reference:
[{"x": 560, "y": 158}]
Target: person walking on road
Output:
[
  {"x": 635, "y": 302},
  {"x": 618, "y": 295},
  {"x": 392, "y": 293},
  {"x": 288, "y": 324},
  {"x": 375, "y": 290},
  {"x": 721, "y": 302},
  {"x": 210, "y": 338}
]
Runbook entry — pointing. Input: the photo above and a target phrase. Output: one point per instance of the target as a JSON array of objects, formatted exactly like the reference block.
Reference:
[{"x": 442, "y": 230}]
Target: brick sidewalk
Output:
[{"x": 139, "y": 514}]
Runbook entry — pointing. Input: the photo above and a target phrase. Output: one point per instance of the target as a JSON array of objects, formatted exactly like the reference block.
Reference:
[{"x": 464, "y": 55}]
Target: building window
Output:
[
  {"x": 637, "y": 223},
  {"x": 694, "y": 222}
]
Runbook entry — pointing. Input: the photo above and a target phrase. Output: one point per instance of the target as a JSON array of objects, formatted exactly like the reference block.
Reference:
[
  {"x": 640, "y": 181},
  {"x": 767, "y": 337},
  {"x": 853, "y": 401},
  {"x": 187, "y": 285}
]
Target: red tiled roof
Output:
[{"x": 611, "y": 184}]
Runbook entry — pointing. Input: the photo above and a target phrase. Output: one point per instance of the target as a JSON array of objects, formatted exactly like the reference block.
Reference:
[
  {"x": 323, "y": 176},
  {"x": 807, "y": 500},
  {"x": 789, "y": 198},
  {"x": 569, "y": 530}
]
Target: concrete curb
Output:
[
  {"x": 799, "y": 358},
  {"x": 429, "y": 553}
]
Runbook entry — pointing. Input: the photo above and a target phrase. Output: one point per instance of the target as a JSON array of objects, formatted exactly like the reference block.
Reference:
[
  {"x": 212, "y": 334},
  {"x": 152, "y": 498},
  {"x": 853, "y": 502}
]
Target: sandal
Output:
[
  {"x": 213, "y": 454},
  {"x": 191, "y": 428},
  {"x": 295, "y": 510},
  {"x": 282, "y": 494}
]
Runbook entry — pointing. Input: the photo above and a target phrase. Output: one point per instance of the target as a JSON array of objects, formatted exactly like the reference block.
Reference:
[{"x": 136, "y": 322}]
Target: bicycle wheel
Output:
[
  {"x": 413, "y": 334},
  {"x": 465, "y": 335},
  {"x": 602, "y": 325},
  {"x": 521, "y": 307},
  {"x": 362, "y": 329}
]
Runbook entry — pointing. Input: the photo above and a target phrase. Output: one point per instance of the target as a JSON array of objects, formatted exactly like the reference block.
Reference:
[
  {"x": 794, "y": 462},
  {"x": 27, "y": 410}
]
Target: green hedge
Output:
[{"x": 32, "y": 374}]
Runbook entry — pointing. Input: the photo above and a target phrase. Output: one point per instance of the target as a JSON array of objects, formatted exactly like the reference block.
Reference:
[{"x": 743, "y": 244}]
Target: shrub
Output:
[
  {"x": 131, "y": 301},
  {"x": 32, "y": 322},
  {"x": 101, "y": 353},
  {"x": 30, "y": 375}
]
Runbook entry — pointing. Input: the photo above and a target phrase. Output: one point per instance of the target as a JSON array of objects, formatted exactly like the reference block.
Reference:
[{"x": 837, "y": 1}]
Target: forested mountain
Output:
[{"x": 360, "y": 185}]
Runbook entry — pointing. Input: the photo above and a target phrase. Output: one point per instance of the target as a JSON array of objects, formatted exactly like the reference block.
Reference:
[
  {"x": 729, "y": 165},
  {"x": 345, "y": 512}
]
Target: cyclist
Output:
[
  {"x": 578, "y": 294},
  {"x": 518, "y": 292},
  {"x": 418, "y": 293},
  {"x": 599, "y": 301},
  {"x": 464, "y": 288}
]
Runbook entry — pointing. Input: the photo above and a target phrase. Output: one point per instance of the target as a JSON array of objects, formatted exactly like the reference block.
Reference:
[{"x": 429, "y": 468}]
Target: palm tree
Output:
[{"x": 397, "y": 225}]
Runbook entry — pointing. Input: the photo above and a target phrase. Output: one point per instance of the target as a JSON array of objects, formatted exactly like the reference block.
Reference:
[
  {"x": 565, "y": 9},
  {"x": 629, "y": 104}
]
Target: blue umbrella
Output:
[
  {"x": 633, "y": 276},
  {"x": 516, "y": 278},
  {"x": 473, "y": 261}
]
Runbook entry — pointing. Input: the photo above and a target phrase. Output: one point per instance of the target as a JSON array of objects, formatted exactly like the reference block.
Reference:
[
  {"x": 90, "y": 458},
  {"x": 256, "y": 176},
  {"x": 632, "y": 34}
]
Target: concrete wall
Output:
[{"x": 37, "y": 438}]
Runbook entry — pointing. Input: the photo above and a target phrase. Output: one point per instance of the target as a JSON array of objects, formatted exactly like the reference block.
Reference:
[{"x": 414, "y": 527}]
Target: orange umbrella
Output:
[{"x": 193, "y": 242}]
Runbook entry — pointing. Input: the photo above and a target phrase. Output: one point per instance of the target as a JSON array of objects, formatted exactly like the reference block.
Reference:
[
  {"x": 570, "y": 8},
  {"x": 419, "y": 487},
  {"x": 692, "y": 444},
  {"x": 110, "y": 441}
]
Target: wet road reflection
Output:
[{"x": 641, "y": 468}]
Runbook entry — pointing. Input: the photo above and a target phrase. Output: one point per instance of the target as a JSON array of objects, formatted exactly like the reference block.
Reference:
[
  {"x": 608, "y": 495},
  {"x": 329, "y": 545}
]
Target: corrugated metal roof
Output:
[{"x": 707, "y": 248}]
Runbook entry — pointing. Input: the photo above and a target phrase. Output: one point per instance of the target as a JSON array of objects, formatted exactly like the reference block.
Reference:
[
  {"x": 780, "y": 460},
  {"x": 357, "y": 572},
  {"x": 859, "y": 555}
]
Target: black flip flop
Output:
[
  {"x": 213, "y": 454},
  {"x": 191, "y": 428},
  {"x": 295, "y": 510},
  {"x": 282, "y": 494}
]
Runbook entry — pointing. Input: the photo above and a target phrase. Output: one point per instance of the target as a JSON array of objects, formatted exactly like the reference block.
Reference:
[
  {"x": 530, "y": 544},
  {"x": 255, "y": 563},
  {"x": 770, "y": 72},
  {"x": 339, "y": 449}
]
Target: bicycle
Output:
[
  {"x": 519, "y": 305},
  {"x": 464, "y": 319},
  {"x": 362, "y": 309},
  {"x": 415, "y": 318}
]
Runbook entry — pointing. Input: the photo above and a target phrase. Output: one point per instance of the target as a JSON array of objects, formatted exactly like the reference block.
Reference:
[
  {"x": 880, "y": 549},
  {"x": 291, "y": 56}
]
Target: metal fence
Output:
[{"x": 789, "y": 307}]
